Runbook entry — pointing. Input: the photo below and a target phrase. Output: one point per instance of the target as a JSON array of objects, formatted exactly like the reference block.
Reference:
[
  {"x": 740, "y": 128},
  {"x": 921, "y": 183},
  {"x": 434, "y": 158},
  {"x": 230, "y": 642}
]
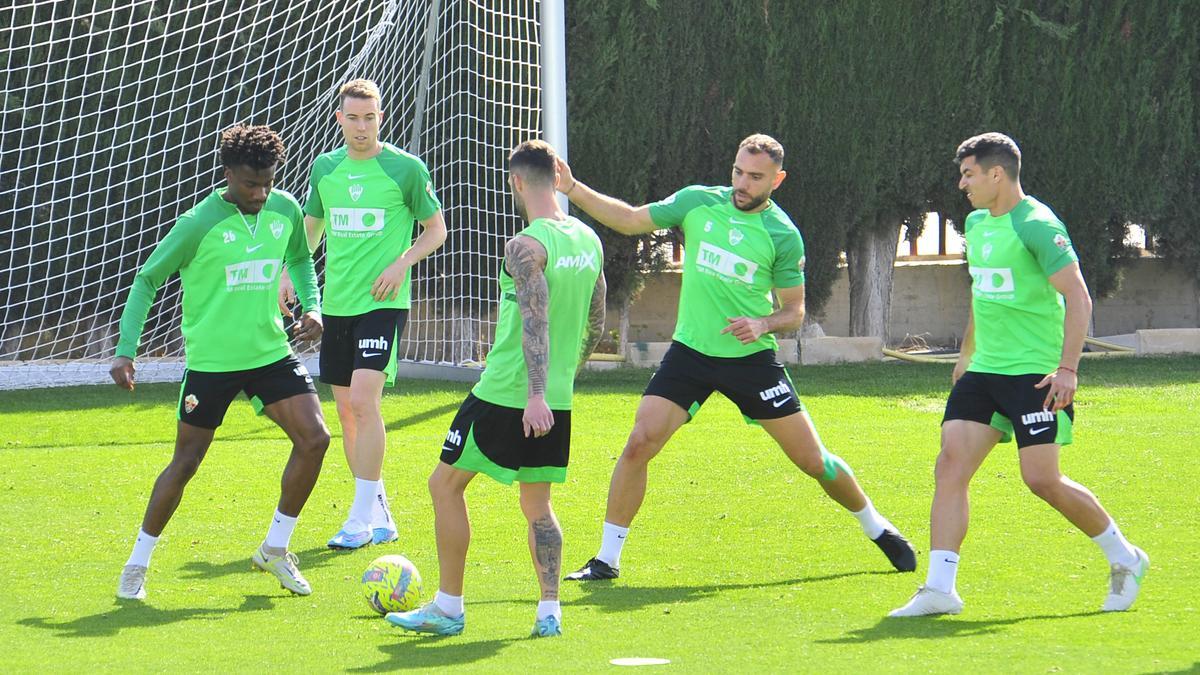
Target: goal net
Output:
[{"x": 111, "y": 115}]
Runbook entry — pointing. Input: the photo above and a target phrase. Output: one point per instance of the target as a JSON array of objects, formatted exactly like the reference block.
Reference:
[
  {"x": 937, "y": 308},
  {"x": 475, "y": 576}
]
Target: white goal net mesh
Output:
[{"x": 108, "y": 132}]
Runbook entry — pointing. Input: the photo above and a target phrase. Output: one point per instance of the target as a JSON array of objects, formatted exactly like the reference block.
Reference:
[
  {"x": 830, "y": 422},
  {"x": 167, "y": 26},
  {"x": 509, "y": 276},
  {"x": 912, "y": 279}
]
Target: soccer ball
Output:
[{"x": 391, "y": 583}]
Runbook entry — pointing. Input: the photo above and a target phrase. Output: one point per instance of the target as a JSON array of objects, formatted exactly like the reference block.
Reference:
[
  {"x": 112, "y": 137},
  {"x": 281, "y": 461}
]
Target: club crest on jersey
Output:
[
  {"x": 987, "y": 251},
  {"x": 277, "y": 228},
  {"x": 190, "y": 403},
  {"x": 356, "y": 191},
  {"x": 735, "y": 237}
]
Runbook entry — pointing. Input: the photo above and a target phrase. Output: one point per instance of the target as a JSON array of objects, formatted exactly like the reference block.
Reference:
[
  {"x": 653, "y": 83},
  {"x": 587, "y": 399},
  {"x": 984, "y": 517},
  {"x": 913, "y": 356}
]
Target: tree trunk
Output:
[
  {"x": 871, "y": 258},
  {"x": 623, "y": 328}
]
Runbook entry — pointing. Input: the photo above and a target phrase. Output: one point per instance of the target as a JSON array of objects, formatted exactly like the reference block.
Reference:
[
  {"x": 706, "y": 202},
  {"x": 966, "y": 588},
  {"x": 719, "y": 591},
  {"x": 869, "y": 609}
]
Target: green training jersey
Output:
[
  {"x": 732, "y": 260},
  {"x": 574, "y": 260},
  {"x": 229, "y": 265},
  {"x": 1018, "y": 313},
  {"x": 368, "y": 206}
]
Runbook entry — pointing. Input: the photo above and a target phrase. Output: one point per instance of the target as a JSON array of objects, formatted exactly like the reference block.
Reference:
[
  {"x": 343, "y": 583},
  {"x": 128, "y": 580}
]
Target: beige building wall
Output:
[{"x": 930, "y": 300}]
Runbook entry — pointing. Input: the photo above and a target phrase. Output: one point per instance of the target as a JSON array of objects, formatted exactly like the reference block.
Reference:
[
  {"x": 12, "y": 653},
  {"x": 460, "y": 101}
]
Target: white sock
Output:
[
  {"x": 381, "y": 513},
  {"x": 611, "y": 543},
  {"x": 1115, "y": 546},
  {"x": 548, "y": 607},
  {"x": 872, "y": 523},
  {"x": 143, "y": 546},
  {"x": 279, "y": 534},
  {"x": 943, "y": 568},
  {"x": 364, "y": 501},
  {"x": 451, "y": 605}
]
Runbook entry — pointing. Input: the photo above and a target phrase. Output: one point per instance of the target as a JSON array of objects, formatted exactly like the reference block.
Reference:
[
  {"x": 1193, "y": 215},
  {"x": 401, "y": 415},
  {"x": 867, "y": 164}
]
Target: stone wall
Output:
[{"x": 930, "y": 300}]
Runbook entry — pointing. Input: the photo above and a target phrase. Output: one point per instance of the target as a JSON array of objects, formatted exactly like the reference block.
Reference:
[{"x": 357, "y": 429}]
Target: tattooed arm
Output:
[
  {"x": 595, "y": 328},
  {"x": 525, "y": 259}
]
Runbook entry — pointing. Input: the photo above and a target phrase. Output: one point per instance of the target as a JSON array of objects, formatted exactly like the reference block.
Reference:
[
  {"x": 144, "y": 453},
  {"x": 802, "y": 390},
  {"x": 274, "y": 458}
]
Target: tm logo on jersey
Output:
[
  {"x": 725, "y": 264},
  {"x": 994, "y": 281},
  {"x": 250, "y": 274},
  {"x": 343, "y": 221},
  {"x": 581, "y": 262}
]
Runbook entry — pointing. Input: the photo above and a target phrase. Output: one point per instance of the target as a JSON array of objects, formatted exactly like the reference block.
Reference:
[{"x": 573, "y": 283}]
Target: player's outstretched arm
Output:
[
  {"x": 611, "y": 212},
  {"x": 788, "y": 317},
  {"x": 525, "y": 259},
  {"x": 595, "y": 327}
]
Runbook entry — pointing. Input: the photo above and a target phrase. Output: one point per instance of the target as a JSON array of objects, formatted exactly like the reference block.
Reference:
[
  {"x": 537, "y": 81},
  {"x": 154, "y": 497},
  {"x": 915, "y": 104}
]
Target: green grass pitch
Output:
[{"x": 736, "y": 563}]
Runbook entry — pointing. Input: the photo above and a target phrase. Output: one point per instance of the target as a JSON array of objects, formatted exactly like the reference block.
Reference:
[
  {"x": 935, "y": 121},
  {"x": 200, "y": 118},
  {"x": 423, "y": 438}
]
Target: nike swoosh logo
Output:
[
  {"x": 353, "y": 177},
  {"x": 446, "y": 448},
  {"x": 370, "y": 354},
  {"x": 988, "y": 234},
  {"x": 952, "y": 562},
  {"x": 776, "y": 404},
  {"x": 252, "y": 249},
  {"x": 1035, "y": 432}
]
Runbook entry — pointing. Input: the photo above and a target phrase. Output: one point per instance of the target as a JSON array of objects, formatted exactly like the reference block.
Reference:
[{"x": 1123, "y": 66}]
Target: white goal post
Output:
[{"x": 111, "y": 114}]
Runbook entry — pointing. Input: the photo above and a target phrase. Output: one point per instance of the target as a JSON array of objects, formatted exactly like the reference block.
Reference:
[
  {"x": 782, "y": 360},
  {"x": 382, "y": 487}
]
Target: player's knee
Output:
[
  {"x": 1042, "y": 484},
  {"x": 316, "y": 441},
  {"x": 364, "y": 405},
  {"x": 183, "y": 468},
  {"x": 642, "y": 446},
  {"x": 951, "y": 468},
  {"x": 826, "y": 466}
]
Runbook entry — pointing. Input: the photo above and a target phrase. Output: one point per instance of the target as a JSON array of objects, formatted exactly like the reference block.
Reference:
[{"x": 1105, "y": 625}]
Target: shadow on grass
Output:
[
  {"x": 612, "y": 596},
  {"x": 318, "y": 556},
  {"x": 133, "y": 614},
  {"x": 1194, "y": 668},
  {"x": 423, "y": 416},
  {"x": 932, "y": 628},
  {"x": 412, "y": 650}
]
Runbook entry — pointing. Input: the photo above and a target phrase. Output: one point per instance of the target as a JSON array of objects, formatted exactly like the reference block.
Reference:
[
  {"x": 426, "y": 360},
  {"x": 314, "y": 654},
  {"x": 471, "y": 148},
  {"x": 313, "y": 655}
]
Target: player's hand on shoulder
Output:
[
  {"x": 566, "y": 179},
  {"x": 537, "y": 419},
  {"x": 122, "y": 372},
  {"x": 388, "y": 284},
  {"x": 745, "y": 329},
  {"x": 309, "y": 327}
]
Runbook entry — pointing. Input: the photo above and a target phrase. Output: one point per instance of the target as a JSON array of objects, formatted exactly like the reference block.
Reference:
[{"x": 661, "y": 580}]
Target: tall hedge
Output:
[{"x": 870, "y": 100}]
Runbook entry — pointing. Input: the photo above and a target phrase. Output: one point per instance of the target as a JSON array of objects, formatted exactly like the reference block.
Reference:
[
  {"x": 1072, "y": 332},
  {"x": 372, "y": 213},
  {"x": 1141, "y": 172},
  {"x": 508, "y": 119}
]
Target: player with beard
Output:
[{"x": 740, "y": 246}]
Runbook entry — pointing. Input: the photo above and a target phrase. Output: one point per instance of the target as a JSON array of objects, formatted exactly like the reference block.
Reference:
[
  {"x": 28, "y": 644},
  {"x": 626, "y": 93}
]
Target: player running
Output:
[
  {"x": 740, "y": 246},
  {"x": 1017, "y": 373},
  {"x": 365, "y": 196},
  {"x": 516, "y": 423},
  {"x": 229, "y": 250}
]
